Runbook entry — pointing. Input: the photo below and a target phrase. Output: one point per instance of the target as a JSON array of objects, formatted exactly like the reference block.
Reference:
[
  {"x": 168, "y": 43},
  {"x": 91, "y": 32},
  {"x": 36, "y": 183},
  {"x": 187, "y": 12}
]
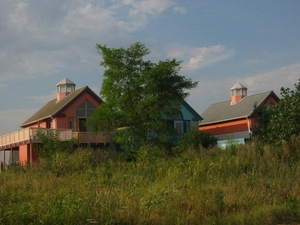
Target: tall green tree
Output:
[
  {"x": 282, "y": 120},
  {"x": 139, "y": 95}
]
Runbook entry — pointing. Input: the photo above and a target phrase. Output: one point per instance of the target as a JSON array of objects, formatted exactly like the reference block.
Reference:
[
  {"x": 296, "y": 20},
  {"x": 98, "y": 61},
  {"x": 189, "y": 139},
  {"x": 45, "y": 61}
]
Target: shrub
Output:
[
  {"x": 195, "y": 139},
  {"x": 51, "y": 144}
]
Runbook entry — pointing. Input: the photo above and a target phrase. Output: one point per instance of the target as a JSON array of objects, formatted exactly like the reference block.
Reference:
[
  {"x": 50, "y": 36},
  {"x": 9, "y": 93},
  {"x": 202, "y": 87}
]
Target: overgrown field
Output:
[{"x": 252, "y": 184}]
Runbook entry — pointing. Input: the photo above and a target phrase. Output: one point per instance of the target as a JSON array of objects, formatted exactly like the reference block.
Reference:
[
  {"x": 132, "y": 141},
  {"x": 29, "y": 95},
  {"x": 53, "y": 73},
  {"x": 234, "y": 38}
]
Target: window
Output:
[
  {"x": 187, "y": 126},
  {"x": 48, "y": 124},
  {"x": 69, "y": 88},
  {"x": 85, "y": 109},
  {"x": 175, "y": 116},
  {"x": 269, "y": 105},
  {"x": 71, "y": 123},
  {"x": 179, "y": 127}
]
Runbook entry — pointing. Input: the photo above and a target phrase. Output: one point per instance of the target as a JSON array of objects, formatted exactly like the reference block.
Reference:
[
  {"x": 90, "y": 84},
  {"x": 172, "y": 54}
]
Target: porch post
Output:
[
  {"x": 0, "y": 161},
  {"x": 4, "y": 163},
  {"x": 11, "y": 156},
  {"x": 30, "y": 146}
]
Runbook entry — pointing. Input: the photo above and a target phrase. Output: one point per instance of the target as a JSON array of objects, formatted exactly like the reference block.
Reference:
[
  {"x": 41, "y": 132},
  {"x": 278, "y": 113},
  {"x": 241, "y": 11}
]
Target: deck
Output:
[{"x": 28, "y": 135}]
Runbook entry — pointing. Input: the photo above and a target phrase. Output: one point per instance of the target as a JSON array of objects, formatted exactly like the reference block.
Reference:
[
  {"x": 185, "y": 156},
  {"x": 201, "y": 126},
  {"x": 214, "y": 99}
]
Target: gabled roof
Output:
[
  {"x": 197, "y": 117},
  {"x": 52, "y": 108},
  {"x": 224, "y": 111}
]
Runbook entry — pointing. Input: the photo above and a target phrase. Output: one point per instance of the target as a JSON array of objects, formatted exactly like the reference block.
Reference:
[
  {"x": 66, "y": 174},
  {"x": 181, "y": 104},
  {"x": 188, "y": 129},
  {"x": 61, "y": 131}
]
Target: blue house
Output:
[
  {"x": 187, "y": 119},
  {"x": 182, "y": 122}
]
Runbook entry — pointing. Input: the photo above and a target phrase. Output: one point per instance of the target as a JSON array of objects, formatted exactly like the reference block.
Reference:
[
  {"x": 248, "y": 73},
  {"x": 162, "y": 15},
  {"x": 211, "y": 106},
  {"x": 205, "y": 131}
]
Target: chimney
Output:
[
  {"x": 238, "y": 92},
  {"x": 63, "y": 88}
]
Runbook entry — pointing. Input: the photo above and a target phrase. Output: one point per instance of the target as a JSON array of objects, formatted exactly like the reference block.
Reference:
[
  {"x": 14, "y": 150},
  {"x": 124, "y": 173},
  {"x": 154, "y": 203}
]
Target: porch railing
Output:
[
  {"x": 92, "y": 138},
  {"x": 29, "y": 135}
]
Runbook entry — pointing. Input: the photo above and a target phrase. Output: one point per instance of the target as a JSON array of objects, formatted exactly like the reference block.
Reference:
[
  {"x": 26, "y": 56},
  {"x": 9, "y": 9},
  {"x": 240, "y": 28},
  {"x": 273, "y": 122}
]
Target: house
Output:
[
  {"x": 67, "y": 113},
  {"x": 183, "y": 121},
  {"x": 187, "y": 119},
  {"x": 231, "y": 121}
]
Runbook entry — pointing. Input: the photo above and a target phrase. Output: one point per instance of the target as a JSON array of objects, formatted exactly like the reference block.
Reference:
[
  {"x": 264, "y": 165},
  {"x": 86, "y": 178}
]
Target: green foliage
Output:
[
  {"x": 195, "y": 139},
  {"x": 281, "y": 121},
  {"x": 199, "y": 187},
  {"x": 51, "y": 144},
  {"x": 139, "y": 94}
]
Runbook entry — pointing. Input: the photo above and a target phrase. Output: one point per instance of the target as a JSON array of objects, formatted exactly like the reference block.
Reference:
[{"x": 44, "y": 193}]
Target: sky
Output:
[{"x": 220, "y": 42}]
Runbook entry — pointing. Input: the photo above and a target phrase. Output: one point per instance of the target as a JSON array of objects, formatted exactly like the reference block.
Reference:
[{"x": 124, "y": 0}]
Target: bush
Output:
[
  {"x": 195, "y": 139},
  {"x": 51, "y": 144}
]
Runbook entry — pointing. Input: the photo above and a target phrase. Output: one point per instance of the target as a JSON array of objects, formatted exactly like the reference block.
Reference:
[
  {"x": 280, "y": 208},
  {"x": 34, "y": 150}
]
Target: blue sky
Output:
[{"x": 220, "y": 43}]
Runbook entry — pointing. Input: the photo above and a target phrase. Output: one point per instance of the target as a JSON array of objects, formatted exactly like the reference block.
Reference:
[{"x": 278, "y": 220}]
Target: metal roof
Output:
[
  {"x": 224, "y": 111},
  {"x": 53, "y": 107},
  {"x": 238, "y": 86},
  {"x": 65, "y": 81}
]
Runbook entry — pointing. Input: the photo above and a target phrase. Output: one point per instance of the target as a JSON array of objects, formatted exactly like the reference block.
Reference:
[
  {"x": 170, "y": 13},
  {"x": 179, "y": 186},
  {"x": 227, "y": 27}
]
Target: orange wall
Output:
[
  {"x": 40, "y": 124},
  {"x": 24, "y": 154},
  {"x": 228, "y": 127}
]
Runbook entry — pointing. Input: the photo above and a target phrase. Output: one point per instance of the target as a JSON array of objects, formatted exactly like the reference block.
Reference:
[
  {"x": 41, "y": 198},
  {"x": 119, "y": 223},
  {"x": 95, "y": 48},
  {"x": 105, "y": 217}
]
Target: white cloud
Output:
[
  {"x": 252, "y": 61},
  {"x": 152, "y": 7},
  {"x": 39, "y": 38},
  {"x": 42, "y": 98},
  {"x": 285, "y": 77},
  {"x": 19, "y": 17},
  {"x": 198, "y": 58},
  {"x": 180, "y": 10}
]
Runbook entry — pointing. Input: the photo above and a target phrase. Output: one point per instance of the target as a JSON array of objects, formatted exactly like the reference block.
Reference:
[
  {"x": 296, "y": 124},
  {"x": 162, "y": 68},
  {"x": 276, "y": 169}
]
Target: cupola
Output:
[
  {"x": 63, "y": 88},
  {"x": 238, "y": 92}
]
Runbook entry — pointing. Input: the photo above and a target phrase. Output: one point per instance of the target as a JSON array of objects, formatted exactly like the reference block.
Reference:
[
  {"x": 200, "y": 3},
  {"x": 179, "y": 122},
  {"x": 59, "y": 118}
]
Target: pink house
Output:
[{"x": 67, "y": 113}]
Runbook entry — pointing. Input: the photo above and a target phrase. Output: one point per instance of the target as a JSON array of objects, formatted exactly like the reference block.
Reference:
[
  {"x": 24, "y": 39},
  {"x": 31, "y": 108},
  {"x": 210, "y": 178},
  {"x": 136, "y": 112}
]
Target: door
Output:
[{"x": 82, "y": 125}]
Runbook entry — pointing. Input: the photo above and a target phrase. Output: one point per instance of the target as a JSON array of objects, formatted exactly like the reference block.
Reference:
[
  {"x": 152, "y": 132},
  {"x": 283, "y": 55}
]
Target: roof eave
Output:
[
  {"x": 226, "y": 120},
  {"x": 35, "y": 121}
]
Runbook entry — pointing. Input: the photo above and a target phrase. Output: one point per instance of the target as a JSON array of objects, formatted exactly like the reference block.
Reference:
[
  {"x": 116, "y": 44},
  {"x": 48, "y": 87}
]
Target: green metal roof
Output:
[
  {"x": 53, "y": 107},
  {"x": 224, "y": 111}
]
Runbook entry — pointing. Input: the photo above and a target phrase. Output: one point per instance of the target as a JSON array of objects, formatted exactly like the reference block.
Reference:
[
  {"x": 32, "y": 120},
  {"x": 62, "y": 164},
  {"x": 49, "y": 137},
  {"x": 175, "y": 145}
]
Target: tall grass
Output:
[{"x": 251, "y": 184}]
